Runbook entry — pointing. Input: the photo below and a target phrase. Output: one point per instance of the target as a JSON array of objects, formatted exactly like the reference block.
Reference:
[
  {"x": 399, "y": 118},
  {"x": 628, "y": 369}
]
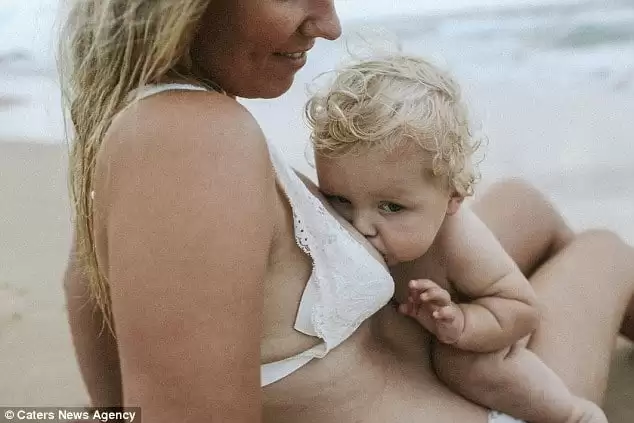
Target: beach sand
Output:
[{"x": 37, "y": 363}]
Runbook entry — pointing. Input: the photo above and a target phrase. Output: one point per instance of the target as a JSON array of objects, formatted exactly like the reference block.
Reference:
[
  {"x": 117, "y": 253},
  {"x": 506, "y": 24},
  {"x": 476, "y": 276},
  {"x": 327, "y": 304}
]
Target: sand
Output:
[{"x": 36, "y": 356}]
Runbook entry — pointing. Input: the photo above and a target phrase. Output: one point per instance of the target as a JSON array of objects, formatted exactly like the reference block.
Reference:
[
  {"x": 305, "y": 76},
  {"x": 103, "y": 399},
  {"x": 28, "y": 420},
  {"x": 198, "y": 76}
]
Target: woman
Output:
[{"x": 199, "y": 244}]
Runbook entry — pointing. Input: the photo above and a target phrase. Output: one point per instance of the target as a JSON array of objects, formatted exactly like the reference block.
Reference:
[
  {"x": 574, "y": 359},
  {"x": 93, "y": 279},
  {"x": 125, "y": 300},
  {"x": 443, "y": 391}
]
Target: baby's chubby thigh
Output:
[{"x": 477, "y": 376}]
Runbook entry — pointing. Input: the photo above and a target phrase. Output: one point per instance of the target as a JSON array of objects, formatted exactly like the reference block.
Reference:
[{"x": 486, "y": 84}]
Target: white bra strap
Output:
[
  {"x": 150, "y": 90},
  {"x": 272, "y": 372}
]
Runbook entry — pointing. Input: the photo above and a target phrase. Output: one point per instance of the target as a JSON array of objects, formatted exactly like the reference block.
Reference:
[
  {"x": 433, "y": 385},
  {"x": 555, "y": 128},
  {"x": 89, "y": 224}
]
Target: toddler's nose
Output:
[{"x": 364, "y": 225}]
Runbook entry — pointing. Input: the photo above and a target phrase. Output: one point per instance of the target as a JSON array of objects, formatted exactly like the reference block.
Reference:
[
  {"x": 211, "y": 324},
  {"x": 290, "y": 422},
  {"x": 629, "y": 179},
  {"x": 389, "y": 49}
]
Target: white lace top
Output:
[{"x": 347, "y": 285}]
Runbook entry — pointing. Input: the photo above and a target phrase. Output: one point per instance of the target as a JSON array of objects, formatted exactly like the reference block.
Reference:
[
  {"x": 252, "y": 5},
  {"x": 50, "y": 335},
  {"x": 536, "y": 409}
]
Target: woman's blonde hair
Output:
[
  {"x": 390, "y": 102},
  {"x": 107, "y": 49}
]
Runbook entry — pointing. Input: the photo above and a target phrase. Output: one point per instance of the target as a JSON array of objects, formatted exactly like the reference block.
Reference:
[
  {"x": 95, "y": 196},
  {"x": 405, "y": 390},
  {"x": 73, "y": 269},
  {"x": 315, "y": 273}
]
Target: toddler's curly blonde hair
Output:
[{"x": 391, "y": 102}]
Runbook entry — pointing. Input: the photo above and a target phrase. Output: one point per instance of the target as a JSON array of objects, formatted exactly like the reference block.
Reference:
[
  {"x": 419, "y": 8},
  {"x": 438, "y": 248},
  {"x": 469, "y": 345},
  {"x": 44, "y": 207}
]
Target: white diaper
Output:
[{"x": 497, "y": 417}]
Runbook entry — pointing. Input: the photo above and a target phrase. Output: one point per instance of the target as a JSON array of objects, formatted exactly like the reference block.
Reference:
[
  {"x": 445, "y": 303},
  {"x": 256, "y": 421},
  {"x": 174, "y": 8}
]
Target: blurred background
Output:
[{"x": 550, "y": 83}]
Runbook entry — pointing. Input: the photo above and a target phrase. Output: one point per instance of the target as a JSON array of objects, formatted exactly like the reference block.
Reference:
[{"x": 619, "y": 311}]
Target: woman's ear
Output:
[{"x": 454, "y": 204}]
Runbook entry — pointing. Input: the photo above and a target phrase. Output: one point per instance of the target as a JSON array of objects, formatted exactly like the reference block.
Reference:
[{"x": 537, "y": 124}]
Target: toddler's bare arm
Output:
[{"x": 503, "y": 307}]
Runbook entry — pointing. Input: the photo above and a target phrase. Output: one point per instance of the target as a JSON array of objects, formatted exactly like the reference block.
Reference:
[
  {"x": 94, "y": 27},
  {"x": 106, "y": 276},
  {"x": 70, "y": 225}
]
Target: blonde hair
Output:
[
  {"x": 391, "y": 102},
  {"x": 107, "y": 49}
]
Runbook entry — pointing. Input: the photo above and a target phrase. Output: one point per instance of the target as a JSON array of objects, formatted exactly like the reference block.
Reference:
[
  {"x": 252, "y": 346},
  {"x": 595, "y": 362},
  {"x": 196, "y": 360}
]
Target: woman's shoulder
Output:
[
  {"x": 186, "y": 131},
  {"x": 182, "y": 119},
  {"x": 185, "y": 140}
]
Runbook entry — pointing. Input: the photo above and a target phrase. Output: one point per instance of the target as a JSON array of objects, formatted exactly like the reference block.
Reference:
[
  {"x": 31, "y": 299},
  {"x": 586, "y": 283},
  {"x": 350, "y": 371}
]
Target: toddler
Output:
[{"x": 393, "y": 153}]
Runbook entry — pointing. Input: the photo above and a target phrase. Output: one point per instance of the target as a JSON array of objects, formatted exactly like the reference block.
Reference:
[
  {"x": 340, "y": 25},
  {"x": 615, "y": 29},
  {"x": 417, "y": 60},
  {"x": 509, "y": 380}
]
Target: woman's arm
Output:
[
  {"x": 503, "y": 307},
  {"x": 95, "y": 347},
  {"x": 189, "y": 194}
]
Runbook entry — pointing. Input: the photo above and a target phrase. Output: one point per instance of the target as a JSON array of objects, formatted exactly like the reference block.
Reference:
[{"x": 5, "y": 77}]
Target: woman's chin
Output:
[{"x": 267, "y": 89}]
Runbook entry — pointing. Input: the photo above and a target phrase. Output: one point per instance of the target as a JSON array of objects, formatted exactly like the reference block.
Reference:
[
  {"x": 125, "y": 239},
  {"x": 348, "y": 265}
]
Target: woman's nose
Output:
[{"x": 322, "y": 22}]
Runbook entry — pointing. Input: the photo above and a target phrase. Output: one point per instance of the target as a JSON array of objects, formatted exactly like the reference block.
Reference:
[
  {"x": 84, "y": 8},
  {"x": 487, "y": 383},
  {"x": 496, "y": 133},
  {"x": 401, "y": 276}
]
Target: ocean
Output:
[{"x": 528, "y": 42}]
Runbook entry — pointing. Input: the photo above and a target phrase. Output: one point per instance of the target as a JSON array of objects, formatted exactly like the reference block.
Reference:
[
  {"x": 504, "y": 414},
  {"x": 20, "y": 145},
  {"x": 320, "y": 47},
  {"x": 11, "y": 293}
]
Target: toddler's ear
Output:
[{"x": 454, "y": 204}]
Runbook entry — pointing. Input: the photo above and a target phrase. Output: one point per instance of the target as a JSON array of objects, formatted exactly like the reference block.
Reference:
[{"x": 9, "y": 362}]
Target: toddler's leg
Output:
[
  {"x": 530, "y": 229},
  {"x": 513, "y": 381},
  {"x": 525, "y": 222}
]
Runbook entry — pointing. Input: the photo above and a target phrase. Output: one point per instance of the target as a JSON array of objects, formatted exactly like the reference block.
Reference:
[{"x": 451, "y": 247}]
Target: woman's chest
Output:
[
  {"x": 341, "y": 387},
  {"x": 381, "y": 374},
  {"x": 289, "y": 268}
]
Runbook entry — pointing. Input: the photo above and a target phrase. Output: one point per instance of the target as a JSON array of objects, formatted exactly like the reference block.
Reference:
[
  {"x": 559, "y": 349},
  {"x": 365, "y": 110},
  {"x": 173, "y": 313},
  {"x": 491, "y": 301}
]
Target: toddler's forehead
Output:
[
  {"x": 391, "y": 166},
  {"x": 403, "y": 159}
]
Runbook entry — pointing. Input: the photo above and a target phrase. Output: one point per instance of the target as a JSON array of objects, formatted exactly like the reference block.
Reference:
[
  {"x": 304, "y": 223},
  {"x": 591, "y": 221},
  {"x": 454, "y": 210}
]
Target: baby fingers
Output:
[
  {"x": 446, "y": 313},
  {"x": 437, "y": 296}
]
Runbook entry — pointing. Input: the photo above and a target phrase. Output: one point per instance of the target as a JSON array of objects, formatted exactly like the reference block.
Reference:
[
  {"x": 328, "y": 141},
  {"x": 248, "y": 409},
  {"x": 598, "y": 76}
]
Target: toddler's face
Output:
[{"x": 388, "y": 198}]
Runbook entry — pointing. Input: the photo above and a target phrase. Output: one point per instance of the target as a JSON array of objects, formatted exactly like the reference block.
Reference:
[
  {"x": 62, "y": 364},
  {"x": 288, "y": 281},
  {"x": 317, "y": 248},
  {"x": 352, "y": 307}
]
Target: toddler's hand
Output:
[{"x": 431, "y": 306}]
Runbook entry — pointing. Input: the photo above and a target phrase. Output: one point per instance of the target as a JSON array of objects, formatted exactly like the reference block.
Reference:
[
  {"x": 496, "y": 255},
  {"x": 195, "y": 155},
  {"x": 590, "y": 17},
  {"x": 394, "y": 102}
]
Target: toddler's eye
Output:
[
  {"x": 337, "y": 199},
  {"x": 390, "y": 207}
]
